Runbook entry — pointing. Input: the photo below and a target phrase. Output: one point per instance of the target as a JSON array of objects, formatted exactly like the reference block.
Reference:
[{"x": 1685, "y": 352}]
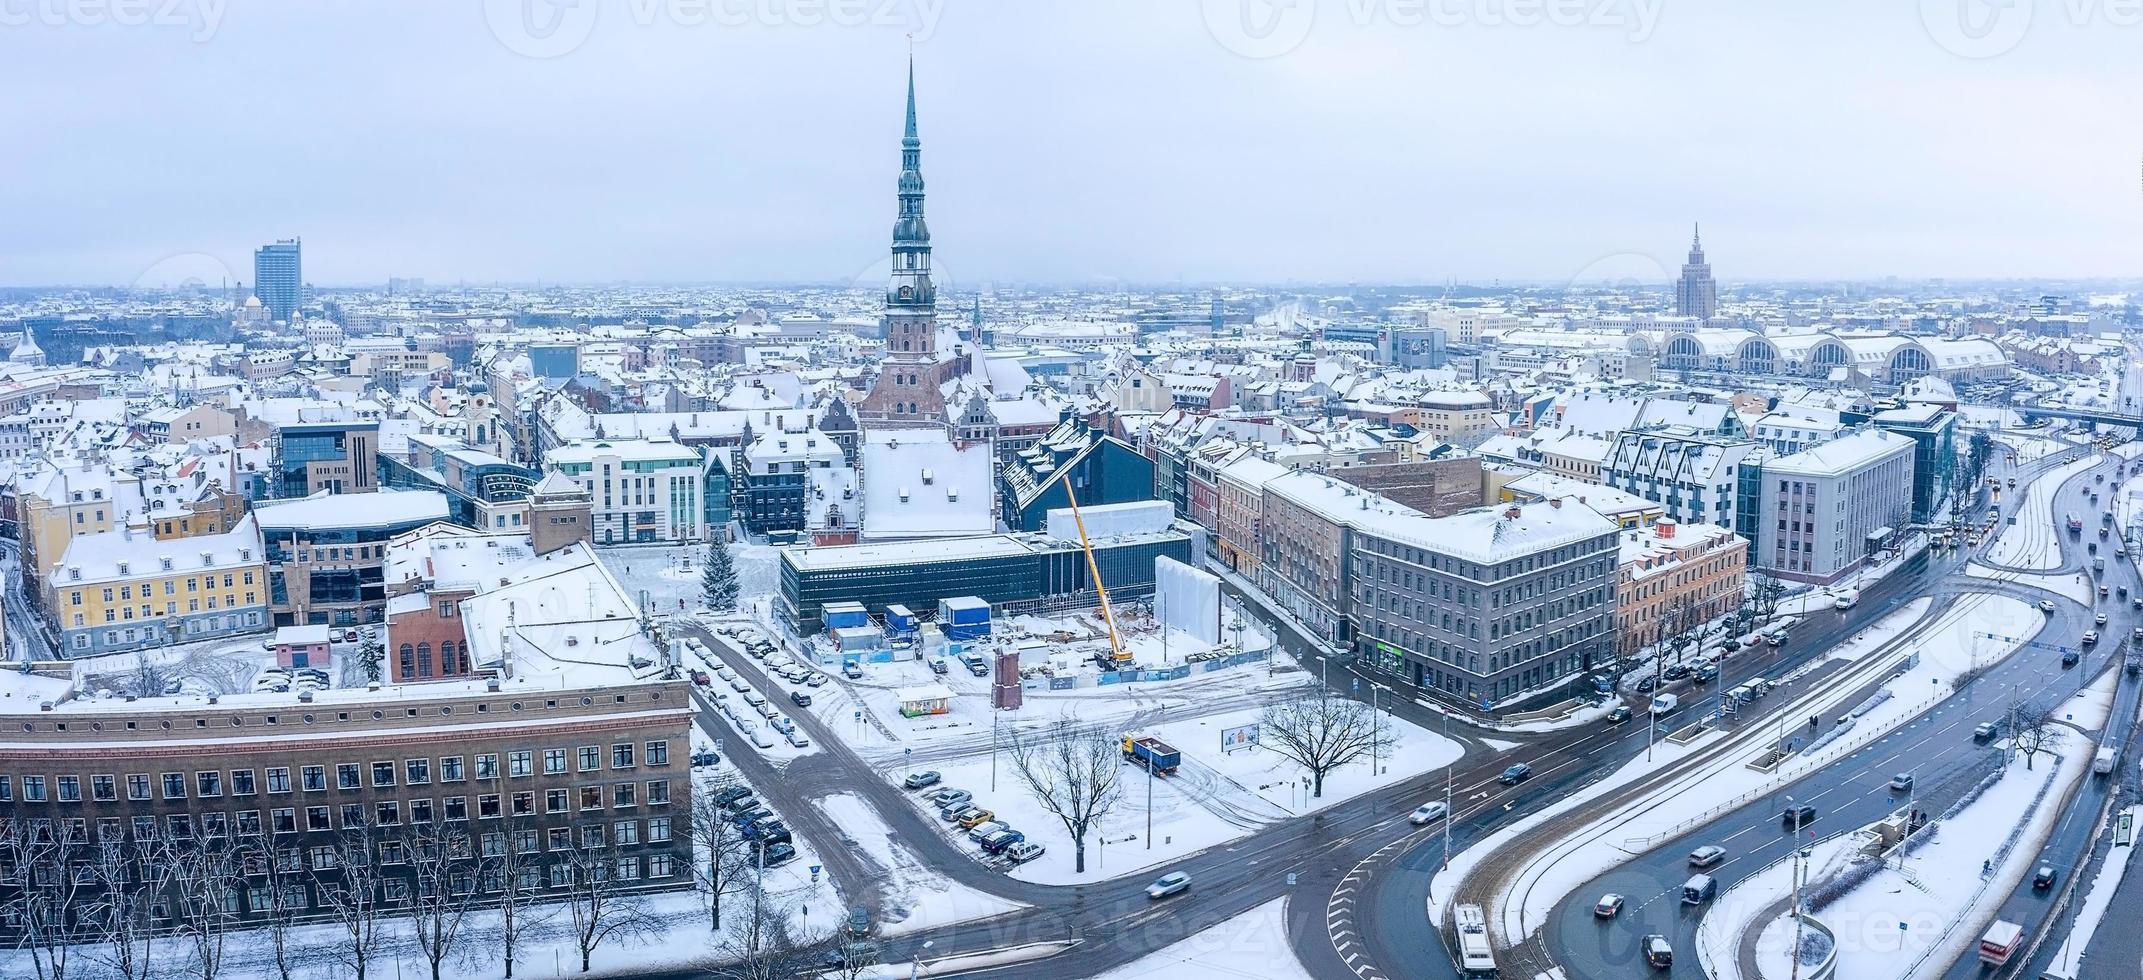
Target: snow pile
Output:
[
  {"x": 1251, "y": 945},
  {"x": 914, "y": 896}
]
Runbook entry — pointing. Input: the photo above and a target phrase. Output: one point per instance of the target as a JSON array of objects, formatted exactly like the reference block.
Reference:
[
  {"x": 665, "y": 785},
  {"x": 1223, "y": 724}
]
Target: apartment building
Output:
[
  {"x": 1827, "y": 509},
  {"x": 1489, "y": 606},
  {"x": 1671, "y": 575},
  {"x": 125, "y": 590},
  {"x": 644, "y": 490}
]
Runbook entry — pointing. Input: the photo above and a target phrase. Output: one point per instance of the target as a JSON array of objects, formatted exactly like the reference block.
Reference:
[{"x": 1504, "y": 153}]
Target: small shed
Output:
[
  {"x": 302, "y": 646},
  {"x": 928, "y": 699}
]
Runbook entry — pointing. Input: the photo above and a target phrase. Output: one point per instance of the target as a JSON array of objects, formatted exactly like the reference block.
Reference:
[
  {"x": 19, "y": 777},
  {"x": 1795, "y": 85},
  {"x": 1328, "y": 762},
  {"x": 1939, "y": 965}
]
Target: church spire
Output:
[{"x": 911, "y": 100}]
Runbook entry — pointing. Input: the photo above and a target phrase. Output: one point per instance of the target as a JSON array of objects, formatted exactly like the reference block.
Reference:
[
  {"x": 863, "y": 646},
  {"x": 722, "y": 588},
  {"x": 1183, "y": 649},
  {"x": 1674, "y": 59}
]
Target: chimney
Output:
[
  {"x": 1511, "y": 513},
  {"x": 1555, "y": 502}
]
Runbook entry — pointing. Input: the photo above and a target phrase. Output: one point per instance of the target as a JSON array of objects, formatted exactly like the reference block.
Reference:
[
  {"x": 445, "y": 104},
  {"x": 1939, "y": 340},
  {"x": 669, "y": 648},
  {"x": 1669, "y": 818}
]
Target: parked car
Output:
[
  {"x": 918, "y": 780},
  {"x": 1172, "y": 883},
  {"x": 1609, "y": 906},
  {"x": 1515, "y": 774},
  {"x": 939, "y": 667},
  {"x": 800, "y": 699},
  {"x": 816, "y": 680},
  {"x": 738, "y": 685},
  {"x": 1023, "y": 852},
  {"x": 700, "y": 677},
  {"x": 1002, "y": 841},
  {"x": 762, "y": 738},
  {"x": 1706, "y": 856},
  {"x": 1646, "y": 683},
  {"x": 779, "y": 854},
  {"x": 975, "y": 816},
  {"x": 705, "y": 757},
  {"x": 950, "y": 798},
  {"x": 728, "y": 796},
  {"x": 982, "y": 831},
  {"x": 1427, "y": 813},
  {"x": 797, "y": 738},
  {"x": 852, "y": 670},
  {"x": 956, "y": 812}
]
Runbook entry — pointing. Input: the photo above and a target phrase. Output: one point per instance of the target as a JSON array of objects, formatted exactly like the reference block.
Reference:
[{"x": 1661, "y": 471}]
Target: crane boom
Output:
[{"x": 1116, "y": 646}]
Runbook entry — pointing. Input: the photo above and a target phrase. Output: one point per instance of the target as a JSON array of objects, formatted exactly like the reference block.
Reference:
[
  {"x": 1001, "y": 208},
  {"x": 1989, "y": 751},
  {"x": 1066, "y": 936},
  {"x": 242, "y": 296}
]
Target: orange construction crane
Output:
[{"x": 1116, "y": 646}]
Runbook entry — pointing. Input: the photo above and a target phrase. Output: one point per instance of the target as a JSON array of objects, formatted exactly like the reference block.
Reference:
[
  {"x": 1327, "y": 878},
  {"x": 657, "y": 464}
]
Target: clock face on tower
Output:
[{"x": 907, "y": 292}]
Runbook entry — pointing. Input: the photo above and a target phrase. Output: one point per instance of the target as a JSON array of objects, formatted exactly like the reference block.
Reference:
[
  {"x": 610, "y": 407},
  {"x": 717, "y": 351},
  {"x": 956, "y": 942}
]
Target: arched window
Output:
[
  {"x": 424, "y": 659},
  {"x": 409, "y": 660}
]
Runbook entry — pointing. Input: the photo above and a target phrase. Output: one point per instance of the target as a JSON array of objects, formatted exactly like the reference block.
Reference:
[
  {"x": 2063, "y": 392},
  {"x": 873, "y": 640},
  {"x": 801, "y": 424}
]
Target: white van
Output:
[
  {"x": 1665, "y": 704},
  {"x": 1699, "y": 889}
]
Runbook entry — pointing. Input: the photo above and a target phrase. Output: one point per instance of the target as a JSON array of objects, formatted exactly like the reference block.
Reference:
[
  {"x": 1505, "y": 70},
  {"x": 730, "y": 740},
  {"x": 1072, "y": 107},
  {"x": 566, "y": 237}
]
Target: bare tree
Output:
[
  {"x": 729, "y": 867},
  {"x": 601, "y": 900},
  {"x": 38, "y": 862},
  {"x": 206, "y": 884},
  {"x": 278, "y": 898},
  {"x": 132, "y": 878},
  {"x": 1321, "y": 732},
  {"x": 1766, "y": 592},
  {"x": 1074, "y": 772},
  {"x": 354, "y": 893},
  {"x": 514, "y": 866},
  {"x": 2031, "y": 731},
  {"x": 765, "y": 947},
  {"x": 444, "y": 871}
]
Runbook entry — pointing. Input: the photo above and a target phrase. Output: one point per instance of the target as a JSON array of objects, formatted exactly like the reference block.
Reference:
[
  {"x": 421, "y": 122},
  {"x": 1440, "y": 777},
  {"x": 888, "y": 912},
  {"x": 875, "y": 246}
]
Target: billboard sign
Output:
[{"x": 1240, "y": 737}]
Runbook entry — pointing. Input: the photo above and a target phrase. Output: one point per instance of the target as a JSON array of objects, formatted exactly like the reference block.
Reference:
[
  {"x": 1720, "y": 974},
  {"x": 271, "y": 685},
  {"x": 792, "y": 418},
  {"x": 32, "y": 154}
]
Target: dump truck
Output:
[{"x": 1149, "y": 751}]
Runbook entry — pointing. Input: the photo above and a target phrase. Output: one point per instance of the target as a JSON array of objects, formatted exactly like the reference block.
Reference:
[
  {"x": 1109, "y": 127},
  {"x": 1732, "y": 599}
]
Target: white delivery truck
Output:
[{"x": 1665, "y": 704}]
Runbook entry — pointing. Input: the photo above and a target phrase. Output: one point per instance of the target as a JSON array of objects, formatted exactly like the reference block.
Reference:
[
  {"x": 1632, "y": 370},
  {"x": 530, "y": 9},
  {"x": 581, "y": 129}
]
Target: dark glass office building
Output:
[{"x": 279, "y": 278}]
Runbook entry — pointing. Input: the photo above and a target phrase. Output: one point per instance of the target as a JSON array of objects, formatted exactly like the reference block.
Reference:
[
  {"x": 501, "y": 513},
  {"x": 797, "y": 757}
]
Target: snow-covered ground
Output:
[
  {"x": 1215, "y": 798},
  {"x": 2075, "y": 585},
  {"x": 1734, "y": 912},
  {"x": 1940, "y": 897},
  {"x": 1853, "y": 584},
  {"x": 919, "y": 898},
  {"x": 1250, "y": 946}
]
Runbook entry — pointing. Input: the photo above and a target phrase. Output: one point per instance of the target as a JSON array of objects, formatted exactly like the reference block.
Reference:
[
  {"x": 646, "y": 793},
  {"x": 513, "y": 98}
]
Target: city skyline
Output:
[{"x": 1367, "y": 152}]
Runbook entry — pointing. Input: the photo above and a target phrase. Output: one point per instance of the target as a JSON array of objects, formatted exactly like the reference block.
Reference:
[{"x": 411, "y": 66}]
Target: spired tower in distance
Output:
[
  {"x": 1695, "y": 294},
  {"x": 907, "y": 392}
]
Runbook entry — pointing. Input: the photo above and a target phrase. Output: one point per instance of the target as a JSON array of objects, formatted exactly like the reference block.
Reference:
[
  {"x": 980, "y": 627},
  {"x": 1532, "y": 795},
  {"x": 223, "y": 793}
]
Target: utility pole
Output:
[
  {"x": 993, "y": 751},
  {"x": 1448, "y": 815},
  {"x": 1149, "y": 801}
]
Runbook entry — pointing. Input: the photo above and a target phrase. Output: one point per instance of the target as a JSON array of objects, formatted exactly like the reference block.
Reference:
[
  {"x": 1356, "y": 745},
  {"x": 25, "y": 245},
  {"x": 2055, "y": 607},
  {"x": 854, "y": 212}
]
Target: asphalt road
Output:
[{"x": 1852, "y": 792}]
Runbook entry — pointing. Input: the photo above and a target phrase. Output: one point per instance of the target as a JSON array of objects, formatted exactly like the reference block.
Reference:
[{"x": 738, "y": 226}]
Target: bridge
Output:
[{"x": 2098, "y": 416}]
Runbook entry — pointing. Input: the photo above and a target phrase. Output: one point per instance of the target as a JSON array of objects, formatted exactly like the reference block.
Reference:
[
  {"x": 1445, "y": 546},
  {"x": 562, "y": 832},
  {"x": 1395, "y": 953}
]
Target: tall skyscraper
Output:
[
  {"x": 1695, "y": 294},
  {"x": 907, "y": 390},
  {"x": 279, "y": 278}
]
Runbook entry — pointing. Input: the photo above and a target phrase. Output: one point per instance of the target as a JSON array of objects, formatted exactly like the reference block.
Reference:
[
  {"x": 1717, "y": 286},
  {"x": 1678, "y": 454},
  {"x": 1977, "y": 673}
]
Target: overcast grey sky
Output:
[{"x": 1143, "y": 140}]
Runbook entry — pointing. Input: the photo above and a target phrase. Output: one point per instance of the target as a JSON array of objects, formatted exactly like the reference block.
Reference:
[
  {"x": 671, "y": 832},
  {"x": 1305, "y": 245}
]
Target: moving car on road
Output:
[
  {"x": 1609, "y": 906},
  {"x": 1427, "y": 813},
  {"x": 1706, "y": 856},
  {"x": 1172, "y": 883},
  {"x": 1515, "y": 774},
  {"x": 1658, "y": 953}
]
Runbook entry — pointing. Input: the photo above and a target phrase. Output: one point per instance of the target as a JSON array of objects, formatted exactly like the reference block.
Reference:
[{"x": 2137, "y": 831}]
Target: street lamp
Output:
[{"x": 915, "y": 969}]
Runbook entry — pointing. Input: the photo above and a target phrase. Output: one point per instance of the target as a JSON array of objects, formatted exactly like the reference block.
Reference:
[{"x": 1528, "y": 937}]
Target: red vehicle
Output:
[
  {"x": 2000, "y": 942},
  {"x": 700, "y": 677}
]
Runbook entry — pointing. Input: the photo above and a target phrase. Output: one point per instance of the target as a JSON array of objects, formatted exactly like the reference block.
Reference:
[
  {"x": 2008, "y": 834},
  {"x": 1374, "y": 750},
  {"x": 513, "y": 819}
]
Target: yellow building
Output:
[
  {"x": 124, "y": 590},
  {"x": 59, "y": 504}
]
